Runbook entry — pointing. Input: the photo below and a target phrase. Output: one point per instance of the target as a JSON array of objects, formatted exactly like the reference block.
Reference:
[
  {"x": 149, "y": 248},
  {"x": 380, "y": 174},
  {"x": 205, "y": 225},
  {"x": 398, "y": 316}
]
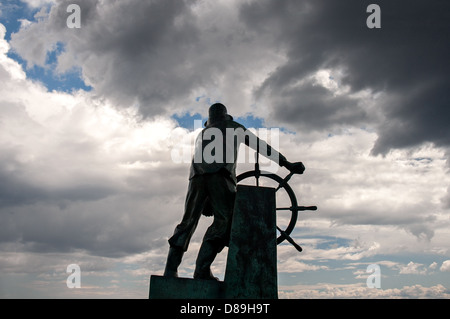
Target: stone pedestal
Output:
[
  {"x": 185, "y": 288},
  {"x": 251, "y": 270}
]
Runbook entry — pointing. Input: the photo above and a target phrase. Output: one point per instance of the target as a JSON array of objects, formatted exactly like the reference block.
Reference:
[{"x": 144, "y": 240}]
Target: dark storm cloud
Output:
[
  {"x": 133, "y": 52},
  {"x": 98, "y": 216},
  {"x": 14, "y": 191},
  {"x": 155, "y": 54},
  {"x": 407, "y": 59},
  {"x": 416, "y": 222},
  {"x": 145, "y": 44},
  {"x": 311, "y": 107}
]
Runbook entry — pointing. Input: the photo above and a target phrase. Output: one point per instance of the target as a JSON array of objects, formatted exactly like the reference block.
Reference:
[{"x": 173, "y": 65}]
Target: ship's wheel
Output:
[{"x": 292, "y": 207}]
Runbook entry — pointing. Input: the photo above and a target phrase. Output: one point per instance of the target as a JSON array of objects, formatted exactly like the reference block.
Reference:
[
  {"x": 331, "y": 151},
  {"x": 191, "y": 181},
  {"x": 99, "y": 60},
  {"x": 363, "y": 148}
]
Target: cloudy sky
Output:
[{"x": 90, "y": 119}]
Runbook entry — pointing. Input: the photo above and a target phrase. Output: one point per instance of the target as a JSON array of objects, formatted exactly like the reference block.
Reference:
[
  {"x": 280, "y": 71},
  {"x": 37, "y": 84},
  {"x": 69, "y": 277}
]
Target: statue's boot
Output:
[
  {"x": 205, "y": 258},
  {"x": 173, "y": 261}
]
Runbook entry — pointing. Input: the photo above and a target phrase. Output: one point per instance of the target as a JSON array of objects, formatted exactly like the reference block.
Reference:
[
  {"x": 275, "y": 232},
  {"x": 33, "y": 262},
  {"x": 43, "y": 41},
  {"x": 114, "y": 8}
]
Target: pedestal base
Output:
[{"x": 185, "y": 288}]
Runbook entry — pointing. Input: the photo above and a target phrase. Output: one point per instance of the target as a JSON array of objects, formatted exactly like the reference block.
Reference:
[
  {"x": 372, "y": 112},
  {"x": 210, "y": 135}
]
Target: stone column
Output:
[{"x": 251, "y": 270}]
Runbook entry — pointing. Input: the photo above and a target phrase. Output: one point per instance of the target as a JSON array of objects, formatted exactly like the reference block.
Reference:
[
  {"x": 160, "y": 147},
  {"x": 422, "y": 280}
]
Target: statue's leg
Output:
[
  {"x": 173, "y": 261},
  {"x": 221, "y": 193},
  {"x": 206, "y": 255},
  {"x": 179, "y": 242}
]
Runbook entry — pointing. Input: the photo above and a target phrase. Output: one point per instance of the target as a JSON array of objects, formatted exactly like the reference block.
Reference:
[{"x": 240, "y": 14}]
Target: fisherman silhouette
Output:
[{"x": 212, "y": 189}]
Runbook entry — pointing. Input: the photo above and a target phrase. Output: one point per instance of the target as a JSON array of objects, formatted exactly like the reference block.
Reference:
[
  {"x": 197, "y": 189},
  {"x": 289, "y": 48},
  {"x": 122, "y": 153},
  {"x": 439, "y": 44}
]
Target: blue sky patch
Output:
[
  {"x": 53, "y": 81},
  {"x": 187, "y": 120},
  {"x": 11, "y": 14}
]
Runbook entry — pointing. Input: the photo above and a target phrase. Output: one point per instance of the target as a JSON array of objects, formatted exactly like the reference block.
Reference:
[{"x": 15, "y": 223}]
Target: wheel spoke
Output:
[
  {"x": 289, "y": 239},
  {"x": 284, "y": 181},
  {"x": 297, "y": 208}
]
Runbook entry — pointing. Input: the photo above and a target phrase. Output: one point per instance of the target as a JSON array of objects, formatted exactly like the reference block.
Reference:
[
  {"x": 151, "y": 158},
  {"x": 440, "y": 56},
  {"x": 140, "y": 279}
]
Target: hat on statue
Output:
[{"x": 217, "y": 112}]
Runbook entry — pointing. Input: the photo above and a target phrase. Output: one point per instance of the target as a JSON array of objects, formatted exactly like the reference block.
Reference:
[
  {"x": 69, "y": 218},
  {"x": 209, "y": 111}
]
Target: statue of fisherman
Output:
[{"x": 212, "y": 188}]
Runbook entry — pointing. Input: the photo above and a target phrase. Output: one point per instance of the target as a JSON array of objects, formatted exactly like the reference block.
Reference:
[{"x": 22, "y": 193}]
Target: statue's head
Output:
[{"x": 217, "y": 112}]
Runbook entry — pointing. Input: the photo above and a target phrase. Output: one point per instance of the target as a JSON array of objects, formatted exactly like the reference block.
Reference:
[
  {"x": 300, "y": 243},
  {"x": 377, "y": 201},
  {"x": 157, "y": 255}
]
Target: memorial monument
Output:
[{"x": 244, "y": 218}]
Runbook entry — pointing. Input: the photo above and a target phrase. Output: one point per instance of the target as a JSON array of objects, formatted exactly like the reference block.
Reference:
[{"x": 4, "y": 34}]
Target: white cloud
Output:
[
  {"x": 326, "y": 291},
  {"x": 290, "y": 262},
  {"x": 413, "y": 268},
  {"x": 433, "y": 265},
  {"x": 4, "y": 46},
  {"x": 38, "y": 3},
  {"x": 378, "y": 199},
  {"x": 445, "y": 266}
]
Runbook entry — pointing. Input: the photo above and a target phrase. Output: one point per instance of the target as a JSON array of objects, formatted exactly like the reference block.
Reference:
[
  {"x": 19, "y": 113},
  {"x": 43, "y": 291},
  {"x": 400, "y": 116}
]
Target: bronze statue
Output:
[{"x": 212, "y": 188}]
